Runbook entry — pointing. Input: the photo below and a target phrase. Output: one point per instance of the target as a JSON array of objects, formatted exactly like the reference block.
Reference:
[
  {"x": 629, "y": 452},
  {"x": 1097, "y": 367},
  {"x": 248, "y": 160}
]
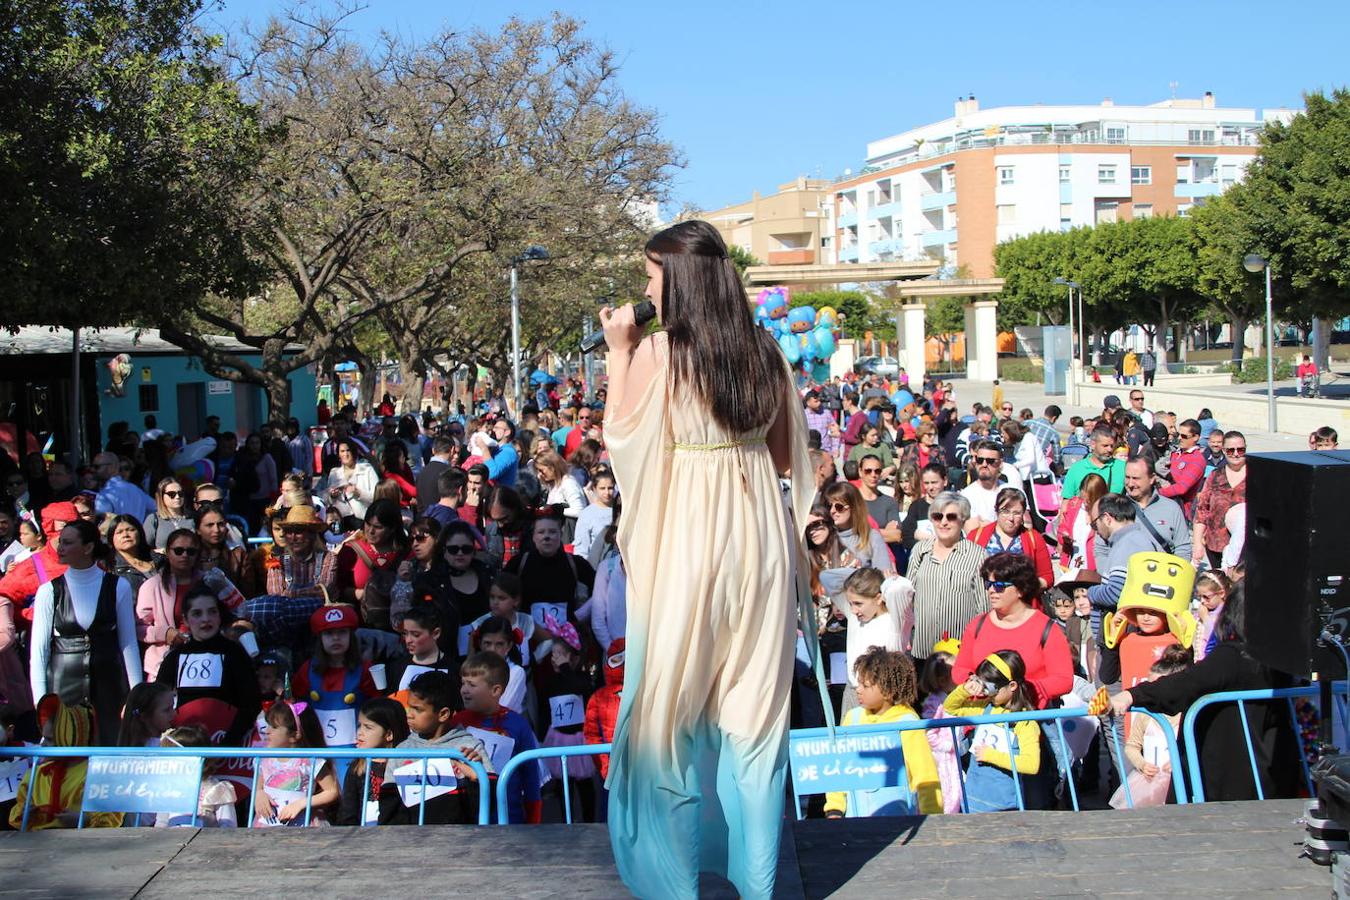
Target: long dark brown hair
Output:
[{"x": 716, "y": 350}]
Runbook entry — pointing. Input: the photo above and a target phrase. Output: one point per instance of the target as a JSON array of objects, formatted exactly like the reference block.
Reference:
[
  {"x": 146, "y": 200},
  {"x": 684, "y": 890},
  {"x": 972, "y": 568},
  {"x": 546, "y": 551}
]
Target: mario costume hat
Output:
[
  {"x": 1160, "y": 582},
  {"x": 333, "y": 617}
]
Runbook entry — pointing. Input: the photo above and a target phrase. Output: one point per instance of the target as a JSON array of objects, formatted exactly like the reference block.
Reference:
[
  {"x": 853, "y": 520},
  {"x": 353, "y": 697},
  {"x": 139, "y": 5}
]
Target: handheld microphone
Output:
[{"x": 643, "y": 313}]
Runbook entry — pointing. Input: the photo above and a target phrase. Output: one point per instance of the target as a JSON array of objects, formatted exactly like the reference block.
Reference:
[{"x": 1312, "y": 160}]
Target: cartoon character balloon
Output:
[{"x": 807, "y": 337}]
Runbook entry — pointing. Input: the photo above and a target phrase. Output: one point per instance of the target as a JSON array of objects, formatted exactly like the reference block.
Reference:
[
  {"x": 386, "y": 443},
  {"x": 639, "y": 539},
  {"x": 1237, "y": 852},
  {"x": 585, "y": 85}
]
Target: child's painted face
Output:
[
  {"x": 547, "y": 537},
  {"x": 370, "y": 736},
  {"x": 499, "y": 644},
  {"x": 1081, "y": 604},
  {"x": 336, "y": 641},
  {"x": 501, "y": 603},
  {"x": 267, "y": 681},
  {"x": 865, "y": 608},
  {"x": 159, "y": 716},
  {"x": 562, "y": 655},
  {"x": 203, "y": 618},
  {"x": 479, "y": 695},
  {"x": 423, "y": 717},
  {"x": 1149, "y": 622},
  {"x": 281, "y": 737},
  {"x": 418, "y": 641},
  {"x": 870, "y": 697},
  {"x": 1210, "y": 598}
]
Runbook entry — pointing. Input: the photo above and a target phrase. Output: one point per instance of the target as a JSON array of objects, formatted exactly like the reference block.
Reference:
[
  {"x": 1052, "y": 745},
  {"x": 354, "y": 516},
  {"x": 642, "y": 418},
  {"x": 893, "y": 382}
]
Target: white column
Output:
[
  {"x": 982, "y": 321},
  {"x": 913, "y": 341},
  {"x": 972, "y": 345}
]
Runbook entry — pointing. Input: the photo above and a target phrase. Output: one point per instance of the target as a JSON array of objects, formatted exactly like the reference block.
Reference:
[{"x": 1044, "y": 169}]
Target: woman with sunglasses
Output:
[
  {"x": 1224, "y": 488},
  {"x": 172, "y": 512},
  {"x": 159, "y": 602},
  {"x": 945, "y": 572},
  {"x": 457, "y": 584},
  {"x": 1011, "y": 621},
  {"x": 848, "y": 512},
  {"x": 1008, "y": 532},
  {"x": 424, "y": 535}
]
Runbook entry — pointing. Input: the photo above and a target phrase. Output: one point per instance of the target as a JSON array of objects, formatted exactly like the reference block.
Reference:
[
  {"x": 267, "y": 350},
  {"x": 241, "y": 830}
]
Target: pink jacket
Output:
[{"x": 155, "y": 620}]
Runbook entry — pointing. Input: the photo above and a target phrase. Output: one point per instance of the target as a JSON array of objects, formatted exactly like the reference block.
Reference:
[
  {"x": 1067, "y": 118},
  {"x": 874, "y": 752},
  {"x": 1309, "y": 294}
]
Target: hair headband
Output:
[
  {"x": 1001, "y": 664},
  {"x": 297, "y": 708}
]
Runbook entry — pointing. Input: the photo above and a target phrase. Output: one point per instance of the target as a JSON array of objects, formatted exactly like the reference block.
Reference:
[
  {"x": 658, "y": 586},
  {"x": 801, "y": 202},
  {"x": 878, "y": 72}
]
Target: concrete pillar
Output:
[
  {"x": 913, "y": 342},
  {"x": 982, "y": 340}
]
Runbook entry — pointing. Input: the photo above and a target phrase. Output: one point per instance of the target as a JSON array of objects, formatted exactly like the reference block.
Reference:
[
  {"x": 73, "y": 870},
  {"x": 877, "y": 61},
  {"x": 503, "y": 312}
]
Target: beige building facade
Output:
[{"x": 783, "y": 228}]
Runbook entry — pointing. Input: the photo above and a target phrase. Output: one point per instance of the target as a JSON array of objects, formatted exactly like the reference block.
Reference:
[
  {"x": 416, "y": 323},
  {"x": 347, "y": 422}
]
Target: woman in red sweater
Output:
[
  {"x": 1009, "y": 534},
  {"x": 1013, "y": 623}
]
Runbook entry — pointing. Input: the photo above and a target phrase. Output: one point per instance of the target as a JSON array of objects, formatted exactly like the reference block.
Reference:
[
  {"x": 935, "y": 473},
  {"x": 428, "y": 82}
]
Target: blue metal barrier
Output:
[
  {"x": 1289, "y": 695},
  {"x": 255, "y": 753},
  {"x": 1058, "y": 716}
]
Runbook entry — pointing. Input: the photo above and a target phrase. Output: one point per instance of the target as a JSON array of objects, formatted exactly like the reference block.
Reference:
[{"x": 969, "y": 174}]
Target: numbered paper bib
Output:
[
  {"x": 838, "y": 668},
  {"x": 567, "y": 709},
  {"x": 1155, "y": 748},
  {"x": 539, "y": 612},
  {"x": 11, "y": 774},
  {"x": 413, "y": 787},
  {"x": 200, "y": 670},
  {"x": 339, "y": 726},
  {"x": 499, "y": 746},
  {"x": 371, "y": 813},
  {"x": 411, "y": 673},
  {"x": 992, "y": 736}
]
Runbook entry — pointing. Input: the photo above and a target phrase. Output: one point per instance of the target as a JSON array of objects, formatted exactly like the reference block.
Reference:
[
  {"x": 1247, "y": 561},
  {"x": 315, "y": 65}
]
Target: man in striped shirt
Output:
[{"x": 821, "y": 421}]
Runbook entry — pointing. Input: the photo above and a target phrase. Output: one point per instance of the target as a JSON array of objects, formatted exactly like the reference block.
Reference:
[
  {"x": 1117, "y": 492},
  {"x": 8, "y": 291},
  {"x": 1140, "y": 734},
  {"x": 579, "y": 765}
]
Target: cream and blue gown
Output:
[{"x": 700, "y": 747}]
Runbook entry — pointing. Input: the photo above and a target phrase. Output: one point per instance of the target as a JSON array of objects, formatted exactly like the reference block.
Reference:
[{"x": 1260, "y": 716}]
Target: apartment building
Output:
[
  {"x": 784, "y": 228},
  {"x": 953, "y": 189}
]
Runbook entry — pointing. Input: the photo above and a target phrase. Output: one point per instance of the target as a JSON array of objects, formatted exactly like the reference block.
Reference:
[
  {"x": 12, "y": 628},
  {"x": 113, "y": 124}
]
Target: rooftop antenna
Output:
[{"x": 1173, "y": 86}]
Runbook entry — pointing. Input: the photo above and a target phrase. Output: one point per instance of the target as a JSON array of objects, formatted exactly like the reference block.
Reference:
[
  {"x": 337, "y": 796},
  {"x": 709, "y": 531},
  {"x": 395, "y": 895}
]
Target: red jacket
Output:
[
  {"x": 602, "y": 710},
  {"x": 1033, "y": 546},
  {"x": 1188, "y": 473},
  {"x": 22, "y": 581}
]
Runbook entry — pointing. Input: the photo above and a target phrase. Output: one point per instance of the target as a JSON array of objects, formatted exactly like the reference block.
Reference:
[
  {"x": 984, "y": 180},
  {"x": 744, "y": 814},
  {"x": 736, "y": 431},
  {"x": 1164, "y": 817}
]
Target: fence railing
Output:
[
  {"x": 178, "y": 798},
  {"x": 1242, "y": 698}
]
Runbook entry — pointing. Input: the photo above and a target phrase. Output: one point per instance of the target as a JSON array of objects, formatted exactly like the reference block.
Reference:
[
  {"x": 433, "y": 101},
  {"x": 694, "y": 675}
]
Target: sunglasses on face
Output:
[
  {"x": 1140, "y": 397},
  {"x": 987, "y": 460},
  {"x": 419, "y": 538},
  {"x": 840, "y": 507},
  {"x": 183, "y": 551},
  {"x": 870, "y": 471},
  {"x": 173, "y": 493},
  {"x": 1235, "y": 451},
  {"x": 997, "y": 586},
  {"x": 459, "y": 549},
  {"x": 939, "y": 517}
]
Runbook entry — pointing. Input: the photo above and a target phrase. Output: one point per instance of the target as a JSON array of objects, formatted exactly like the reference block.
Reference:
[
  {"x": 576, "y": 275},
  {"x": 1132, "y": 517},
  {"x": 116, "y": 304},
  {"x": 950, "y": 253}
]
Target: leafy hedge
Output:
[
  {"x": 1253, "y": 371},
  {"x": 1013, "y": 369}
]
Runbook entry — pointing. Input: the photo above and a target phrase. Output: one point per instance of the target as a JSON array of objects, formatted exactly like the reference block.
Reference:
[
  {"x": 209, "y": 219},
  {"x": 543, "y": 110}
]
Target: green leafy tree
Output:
[
  {"x": 944, "y": 319},
  {"x": 121, "y": 147},
  {"x": 742, "y": 259}
]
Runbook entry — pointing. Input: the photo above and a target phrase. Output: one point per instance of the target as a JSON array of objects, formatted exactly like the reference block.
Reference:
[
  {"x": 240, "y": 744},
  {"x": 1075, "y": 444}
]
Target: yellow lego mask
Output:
[{"x": 1160, "y": 582}]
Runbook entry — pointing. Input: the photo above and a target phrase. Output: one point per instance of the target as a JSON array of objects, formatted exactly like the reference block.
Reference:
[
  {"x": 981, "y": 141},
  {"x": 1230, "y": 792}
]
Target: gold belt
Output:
[{"x": 723, "y": 445}]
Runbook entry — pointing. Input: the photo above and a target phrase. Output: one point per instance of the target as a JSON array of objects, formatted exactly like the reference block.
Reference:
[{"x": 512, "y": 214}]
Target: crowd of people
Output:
[
  {"x": 454, "y": 581},
  {"x": 997, "y": 561}
]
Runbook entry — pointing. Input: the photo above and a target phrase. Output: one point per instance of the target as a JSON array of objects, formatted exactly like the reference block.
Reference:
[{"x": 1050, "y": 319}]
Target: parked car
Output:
[{"x": 877, "y": 365}]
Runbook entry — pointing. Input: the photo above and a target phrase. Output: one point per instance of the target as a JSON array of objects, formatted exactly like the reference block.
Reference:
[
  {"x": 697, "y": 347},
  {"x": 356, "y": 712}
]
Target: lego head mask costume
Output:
[{"x": 1160, "y": 582}]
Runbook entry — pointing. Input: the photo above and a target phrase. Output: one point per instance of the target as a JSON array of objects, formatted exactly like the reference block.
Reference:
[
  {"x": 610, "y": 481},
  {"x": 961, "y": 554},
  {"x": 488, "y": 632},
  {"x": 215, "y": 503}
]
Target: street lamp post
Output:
[
  {"x": 1254, "y": 262},
  {"x": 1073, "y": 333},
  {"x": 532, "y": 252}
]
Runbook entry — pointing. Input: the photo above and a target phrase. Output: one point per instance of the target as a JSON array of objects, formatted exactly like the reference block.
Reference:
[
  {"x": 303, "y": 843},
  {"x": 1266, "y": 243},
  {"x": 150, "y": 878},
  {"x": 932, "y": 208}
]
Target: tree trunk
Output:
[
  {"x": 414, "y": 376},
  {"x": 278, "y": 389},
  {"x": 1237, "y": 327},
  {"x": 366, "y": 388}
]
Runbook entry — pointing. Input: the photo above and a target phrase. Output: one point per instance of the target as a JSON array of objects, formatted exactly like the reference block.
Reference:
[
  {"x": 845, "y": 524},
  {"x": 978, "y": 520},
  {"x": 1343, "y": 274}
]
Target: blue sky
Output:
[{"x": 756, "y": 94}]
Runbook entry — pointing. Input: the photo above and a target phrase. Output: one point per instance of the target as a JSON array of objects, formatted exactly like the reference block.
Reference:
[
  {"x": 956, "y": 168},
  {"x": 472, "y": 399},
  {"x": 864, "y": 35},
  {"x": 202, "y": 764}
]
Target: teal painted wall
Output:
[{"x": 240, "y": 410}]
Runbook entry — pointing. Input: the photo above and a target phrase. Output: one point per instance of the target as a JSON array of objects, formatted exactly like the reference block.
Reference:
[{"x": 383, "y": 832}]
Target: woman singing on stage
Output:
[{"x": 702, "y": 420}]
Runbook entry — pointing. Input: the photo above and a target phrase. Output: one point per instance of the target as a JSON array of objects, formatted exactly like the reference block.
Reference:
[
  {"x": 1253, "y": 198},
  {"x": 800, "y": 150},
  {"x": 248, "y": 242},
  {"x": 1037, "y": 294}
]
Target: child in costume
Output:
[
  {"x": 211, "y": 674},
  {"x": 1153, "y": 612},
  {"x": 887, "y": 692},
  {"x": 562, "y": 689},
  {"x": 58, "y": 784},
  {"x": 496, "y": 635},
  {"x": 602, "y": 710},
  {"x": 503, "y": 731},
  {"x": 216, "y": 799},
  {"x": 336, "y": 681},
  {"x": 285, "y": 786},
  {"x": 935, "y": 684},
  {"x": 1147, "y": 749},
  {"x": 431, "y": 724},
  {"x": 997, "y": 686},
  {"x": 382, "y": 722}
]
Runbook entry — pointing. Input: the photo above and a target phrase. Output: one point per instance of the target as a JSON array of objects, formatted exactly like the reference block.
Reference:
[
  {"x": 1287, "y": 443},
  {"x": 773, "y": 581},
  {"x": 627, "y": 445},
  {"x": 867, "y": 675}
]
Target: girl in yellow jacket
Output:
[
  {"x": 998, "y": 685},
  {"x": 887, "y": 692},
  {"x": 58, "y": 786}
]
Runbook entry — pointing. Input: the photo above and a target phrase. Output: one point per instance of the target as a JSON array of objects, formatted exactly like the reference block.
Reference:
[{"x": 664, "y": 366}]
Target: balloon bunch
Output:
[{"x": 806, "y": 336}]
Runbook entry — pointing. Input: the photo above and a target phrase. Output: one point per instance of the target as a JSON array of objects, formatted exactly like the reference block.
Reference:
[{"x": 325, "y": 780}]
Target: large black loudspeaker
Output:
[{"x": 1298, "y": 559}]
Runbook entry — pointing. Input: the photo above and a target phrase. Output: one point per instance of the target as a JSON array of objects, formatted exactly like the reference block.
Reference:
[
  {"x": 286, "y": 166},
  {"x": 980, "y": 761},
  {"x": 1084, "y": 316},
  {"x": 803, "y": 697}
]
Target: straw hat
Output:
[{"x": 305, "y": 517}]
